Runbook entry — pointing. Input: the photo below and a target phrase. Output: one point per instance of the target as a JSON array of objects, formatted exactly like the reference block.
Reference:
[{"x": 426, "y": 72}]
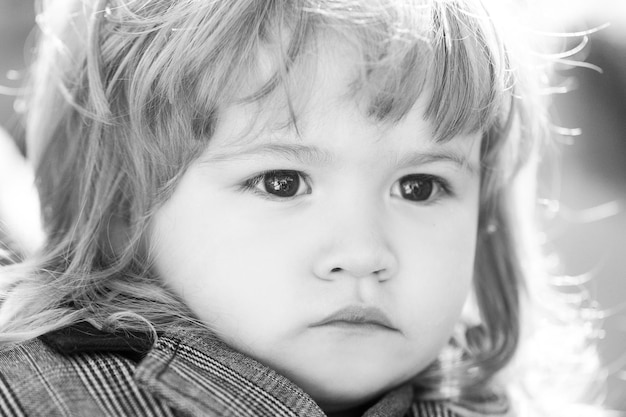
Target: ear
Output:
[
  {"x": 470, "y": 315},
  {"x": 117, "y": 237},
  {"x": 121, "y": 238}
]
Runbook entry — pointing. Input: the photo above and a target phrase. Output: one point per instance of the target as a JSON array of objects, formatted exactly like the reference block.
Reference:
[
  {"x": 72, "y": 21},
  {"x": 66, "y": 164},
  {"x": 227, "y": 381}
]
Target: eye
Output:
[
  {"x": 421, "y": 187},
  {"x": 279, "y": 183}
]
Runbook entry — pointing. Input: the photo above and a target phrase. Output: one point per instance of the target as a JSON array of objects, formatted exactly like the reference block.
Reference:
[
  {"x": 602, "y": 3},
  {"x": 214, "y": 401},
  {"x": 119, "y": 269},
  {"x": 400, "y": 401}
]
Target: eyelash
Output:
[
  {"x": 252, "y": 184},
  {"x": 439, "y": 186}
]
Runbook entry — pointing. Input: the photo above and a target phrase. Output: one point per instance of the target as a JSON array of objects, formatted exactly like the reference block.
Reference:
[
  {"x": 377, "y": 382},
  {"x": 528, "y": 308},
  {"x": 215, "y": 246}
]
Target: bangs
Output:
[
  {"x": 440, "y": 49},
  {"x": 447, "y": 51}
]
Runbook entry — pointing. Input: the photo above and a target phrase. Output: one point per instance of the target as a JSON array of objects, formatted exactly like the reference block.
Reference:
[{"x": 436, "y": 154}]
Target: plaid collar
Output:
[{"x": 196, "y": 373}]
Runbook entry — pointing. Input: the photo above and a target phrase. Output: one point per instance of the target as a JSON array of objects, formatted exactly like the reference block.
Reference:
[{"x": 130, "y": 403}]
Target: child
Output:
[{"x": 285, "y": 208}]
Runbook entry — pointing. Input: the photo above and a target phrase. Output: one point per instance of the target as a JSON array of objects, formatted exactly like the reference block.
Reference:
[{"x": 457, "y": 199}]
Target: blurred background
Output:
[{"x": 589, "y": 229}]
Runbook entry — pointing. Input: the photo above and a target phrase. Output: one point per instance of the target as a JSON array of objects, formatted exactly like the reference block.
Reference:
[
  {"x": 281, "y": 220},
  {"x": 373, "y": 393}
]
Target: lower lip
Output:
[{"x": 356, "y": 326}]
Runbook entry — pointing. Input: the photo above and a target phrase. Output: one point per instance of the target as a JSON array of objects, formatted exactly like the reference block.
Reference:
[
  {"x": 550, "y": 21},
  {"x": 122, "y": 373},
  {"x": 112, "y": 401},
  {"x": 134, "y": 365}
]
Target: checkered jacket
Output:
[{"x": 82, "y": 372}]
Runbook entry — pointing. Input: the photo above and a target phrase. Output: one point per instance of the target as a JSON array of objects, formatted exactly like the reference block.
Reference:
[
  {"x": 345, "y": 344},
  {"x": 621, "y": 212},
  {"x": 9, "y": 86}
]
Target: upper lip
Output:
[{"x": 358, "y": 315}]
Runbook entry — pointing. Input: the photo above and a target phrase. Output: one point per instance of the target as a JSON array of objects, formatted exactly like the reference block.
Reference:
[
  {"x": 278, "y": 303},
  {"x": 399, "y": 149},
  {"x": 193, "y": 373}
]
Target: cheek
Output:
[
  {"x": 438, "y": 267},
  {"x": 229, "y": 264}
]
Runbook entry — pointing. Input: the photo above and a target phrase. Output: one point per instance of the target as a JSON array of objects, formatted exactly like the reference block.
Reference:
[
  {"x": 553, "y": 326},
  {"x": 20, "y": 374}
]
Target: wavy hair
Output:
[{"x": 125, "y": 94}]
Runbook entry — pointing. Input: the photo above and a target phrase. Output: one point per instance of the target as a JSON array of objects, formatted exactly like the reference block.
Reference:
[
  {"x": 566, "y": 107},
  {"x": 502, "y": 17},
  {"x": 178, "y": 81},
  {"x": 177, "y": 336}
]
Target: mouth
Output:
[{"x": 358, "y": 317}]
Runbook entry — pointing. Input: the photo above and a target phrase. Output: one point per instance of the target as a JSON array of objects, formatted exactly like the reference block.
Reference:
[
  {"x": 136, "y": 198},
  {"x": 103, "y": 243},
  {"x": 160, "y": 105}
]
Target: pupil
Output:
[
  {"x": 416, "y": 188},
  {"x": 282, "y": 183}
]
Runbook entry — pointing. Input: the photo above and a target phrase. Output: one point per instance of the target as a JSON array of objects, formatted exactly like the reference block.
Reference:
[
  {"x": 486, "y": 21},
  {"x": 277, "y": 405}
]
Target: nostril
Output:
[{"x": 335, "y": 270}]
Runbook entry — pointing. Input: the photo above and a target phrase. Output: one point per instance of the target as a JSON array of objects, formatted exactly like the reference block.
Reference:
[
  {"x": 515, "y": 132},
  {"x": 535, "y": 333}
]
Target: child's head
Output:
[
  {"x": 279, "y": 225},
  {"x": 271, "y": 163}
]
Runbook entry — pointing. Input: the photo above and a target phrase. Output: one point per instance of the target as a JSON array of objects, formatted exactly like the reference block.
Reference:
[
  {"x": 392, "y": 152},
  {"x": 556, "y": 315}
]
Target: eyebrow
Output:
[
  {"x": 432, "y": 156},
  {"x": 312, "y": 155},
  {"x": 308, "y": 155}
]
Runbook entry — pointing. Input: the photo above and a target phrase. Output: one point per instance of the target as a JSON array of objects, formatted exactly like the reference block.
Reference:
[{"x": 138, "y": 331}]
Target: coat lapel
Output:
[{"x": 204, "y": 377}]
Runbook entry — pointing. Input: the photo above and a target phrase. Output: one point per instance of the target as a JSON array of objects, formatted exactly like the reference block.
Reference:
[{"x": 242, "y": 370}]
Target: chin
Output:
[
  {"x": 342, "y": 388},
  {"x": 344, "y": 398}
]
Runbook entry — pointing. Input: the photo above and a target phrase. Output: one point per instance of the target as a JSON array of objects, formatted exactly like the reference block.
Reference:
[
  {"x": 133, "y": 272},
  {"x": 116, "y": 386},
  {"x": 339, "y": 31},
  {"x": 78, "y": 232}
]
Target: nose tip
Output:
[
  {"x": 357, "y": 261},
  {"x": 381, "y": 274},
  {"x": 355, "y": 240}
]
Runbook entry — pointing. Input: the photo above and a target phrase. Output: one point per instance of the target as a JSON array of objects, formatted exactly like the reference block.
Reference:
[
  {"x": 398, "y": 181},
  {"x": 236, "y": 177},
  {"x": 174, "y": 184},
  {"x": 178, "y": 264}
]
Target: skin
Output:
[{"x": 262, "y": 270}]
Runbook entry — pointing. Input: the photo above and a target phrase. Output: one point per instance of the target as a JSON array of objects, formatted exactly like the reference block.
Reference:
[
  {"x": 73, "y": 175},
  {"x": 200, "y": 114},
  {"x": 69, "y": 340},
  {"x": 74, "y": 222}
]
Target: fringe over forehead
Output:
[{"x": 202, "y": 52}]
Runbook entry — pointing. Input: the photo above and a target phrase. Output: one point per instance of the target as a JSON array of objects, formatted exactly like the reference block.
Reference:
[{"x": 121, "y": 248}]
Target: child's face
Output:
[{"x": 269, "y": 234}]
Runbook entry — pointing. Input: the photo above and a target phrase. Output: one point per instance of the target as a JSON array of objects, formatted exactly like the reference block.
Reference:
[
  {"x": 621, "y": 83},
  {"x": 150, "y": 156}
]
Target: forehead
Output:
[
  {"x": 383, "y": 77},
  {"x": 328, "y": 72},
  {"x": 327, "y": 120},
  {"x": 327, "y": 82},
  {"x": 317, "y": 86}
]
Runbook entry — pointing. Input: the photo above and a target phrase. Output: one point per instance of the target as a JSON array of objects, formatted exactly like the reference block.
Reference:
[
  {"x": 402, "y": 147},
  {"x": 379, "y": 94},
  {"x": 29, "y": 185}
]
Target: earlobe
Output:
[
  {"x": 124, "y": 240},
  {"x": 117, "y": 237},
  {"x": 470, "y": 315}
]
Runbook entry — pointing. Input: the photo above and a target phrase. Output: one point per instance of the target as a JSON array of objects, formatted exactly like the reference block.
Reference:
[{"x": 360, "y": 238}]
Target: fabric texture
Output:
[{"x": 85, "y": 372}]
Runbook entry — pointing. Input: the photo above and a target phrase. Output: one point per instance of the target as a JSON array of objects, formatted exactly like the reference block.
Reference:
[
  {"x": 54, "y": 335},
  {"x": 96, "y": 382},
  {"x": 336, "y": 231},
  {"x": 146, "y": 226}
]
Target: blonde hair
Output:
[{"x": 125, "y": 94}]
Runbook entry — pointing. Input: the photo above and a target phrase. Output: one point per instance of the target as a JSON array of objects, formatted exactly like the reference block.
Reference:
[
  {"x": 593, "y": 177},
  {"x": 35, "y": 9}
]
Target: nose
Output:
[{"x": 356, "y": 246}]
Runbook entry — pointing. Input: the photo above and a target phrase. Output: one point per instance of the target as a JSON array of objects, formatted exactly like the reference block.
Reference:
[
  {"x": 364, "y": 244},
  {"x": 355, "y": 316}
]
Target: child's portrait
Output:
[{"x": 290, "y": 208}]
